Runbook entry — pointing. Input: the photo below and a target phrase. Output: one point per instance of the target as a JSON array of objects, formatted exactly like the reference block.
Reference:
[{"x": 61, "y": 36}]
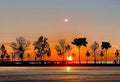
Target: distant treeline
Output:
[{"x": 42, "y": 48}]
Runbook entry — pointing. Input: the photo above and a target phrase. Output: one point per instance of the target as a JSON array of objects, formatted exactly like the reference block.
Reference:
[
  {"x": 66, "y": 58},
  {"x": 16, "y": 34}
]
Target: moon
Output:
[{"x": 66, "y": 20}]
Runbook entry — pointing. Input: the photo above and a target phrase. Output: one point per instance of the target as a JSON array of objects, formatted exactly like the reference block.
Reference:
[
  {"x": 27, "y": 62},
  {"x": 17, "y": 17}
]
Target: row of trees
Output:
[
  {"x": 63, "y": 47},
  {"x": 42, "y": 48}
]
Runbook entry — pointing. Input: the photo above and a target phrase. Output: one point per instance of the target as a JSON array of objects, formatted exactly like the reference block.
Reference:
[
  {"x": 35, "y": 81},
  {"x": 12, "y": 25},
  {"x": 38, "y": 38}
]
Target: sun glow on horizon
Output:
[{"x": 69, "y": 58}]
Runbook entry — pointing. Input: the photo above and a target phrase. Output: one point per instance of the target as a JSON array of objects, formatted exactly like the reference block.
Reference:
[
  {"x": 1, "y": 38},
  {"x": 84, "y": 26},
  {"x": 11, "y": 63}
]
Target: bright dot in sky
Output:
[{"x": 66, "y": 20}]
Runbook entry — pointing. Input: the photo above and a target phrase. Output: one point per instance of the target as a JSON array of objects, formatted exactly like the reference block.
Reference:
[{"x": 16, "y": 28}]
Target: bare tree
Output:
[
  {"x": 101, "y": 55},
  {"x": 20, "y": 46},
  {"x": 62, "y": 47},
  {"x": 117, "y": 55},
  {"x": 94, "y": 47},
  {"x": 42, "y": 48}
]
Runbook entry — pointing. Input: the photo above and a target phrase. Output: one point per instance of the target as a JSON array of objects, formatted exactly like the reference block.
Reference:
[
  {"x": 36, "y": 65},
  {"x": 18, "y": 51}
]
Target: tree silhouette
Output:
[
  {"x": 2, "y": 57},
  {"x": 42, "y": 48},
  {"x": 62, "y": 47},
  {"x": 20, "y": 46},
  {"x": 106, "y": 46},
  {"x": 117, "y": 55},
  {"x": 79, "y": 42},
  {"x": 101, "y": 55},
  {"x": 4, "y": 52},
  {"x": 87, "y": 55},
  {"x": 2, "y": 48},
  {"x": 7, "y": 56},
  {"x": 28, "y": 56},
  {"x": 94, "y": 47}
]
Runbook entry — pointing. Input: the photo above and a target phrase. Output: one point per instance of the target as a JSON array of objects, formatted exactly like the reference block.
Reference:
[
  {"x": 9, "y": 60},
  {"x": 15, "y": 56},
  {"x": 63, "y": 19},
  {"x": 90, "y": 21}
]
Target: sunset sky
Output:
[{"x": 97, "y": 20}]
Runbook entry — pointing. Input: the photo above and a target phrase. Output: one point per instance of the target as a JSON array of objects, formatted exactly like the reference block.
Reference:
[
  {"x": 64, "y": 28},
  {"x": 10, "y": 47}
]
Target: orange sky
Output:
[
  {"x": 74, "y": 50},
  {"x": 96, "y": 20}
]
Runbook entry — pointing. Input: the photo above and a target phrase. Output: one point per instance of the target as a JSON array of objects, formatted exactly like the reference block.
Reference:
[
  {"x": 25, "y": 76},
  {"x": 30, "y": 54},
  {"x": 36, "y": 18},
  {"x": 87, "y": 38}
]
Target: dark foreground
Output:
[
  {"x": 63, "y": 81},
  {"x": 51, "y": 63},
  {"x": 70, "y": 78},
  {"x": 60, "y": 74}
]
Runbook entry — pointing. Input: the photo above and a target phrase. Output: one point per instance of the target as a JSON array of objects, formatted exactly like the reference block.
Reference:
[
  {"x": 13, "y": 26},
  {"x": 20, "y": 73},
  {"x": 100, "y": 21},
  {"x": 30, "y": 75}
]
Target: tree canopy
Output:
[
  {"x": 20, "y": 46},
  {"x": 42, "y": 47}
]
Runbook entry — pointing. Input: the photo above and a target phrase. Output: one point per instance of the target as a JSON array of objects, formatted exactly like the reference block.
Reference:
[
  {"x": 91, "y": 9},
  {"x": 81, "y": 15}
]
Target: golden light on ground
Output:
[
  {"x": 68, "y": 69},
  {"x": 69, "y": 58}
]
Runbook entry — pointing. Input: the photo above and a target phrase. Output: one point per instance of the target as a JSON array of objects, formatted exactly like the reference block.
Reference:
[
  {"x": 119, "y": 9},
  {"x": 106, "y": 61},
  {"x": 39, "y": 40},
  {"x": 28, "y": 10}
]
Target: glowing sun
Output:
[{"x": 69, "y": 58}]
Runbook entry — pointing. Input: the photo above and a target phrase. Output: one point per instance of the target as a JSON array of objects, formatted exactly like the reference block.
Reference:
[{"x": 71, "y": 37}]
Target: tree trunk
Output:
[
  {"x": 63, "y": 57},
  {"x": 101, "y": 60},
  {"x": 87, "y": 60},
  {"x": 104, "y": 60},
  {"x": 35, "y": 57},
  {"x": 117, "y": 58},
  {"x": 12, "y": 57},
  {"x": 106, "y": 56},
  {"x": 43, "y": 58},
  {"x": 94, "y": 57},
  {"x": 79, "y": 55}
]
